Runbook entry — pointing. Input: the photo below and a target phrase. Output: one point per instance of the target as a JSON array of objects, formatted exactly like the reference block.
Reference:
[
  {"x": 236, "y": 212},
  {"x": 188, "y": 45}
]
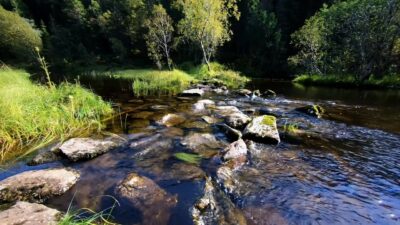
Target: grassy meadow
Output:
[{"x": 33, "y": 115}]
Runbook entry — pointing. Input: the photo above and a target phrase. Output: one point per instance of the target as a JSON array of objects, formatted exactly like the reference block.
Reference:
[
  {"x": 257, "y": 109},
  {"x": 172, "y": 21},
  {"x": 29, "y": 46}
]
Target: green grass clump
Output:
[
  {"x": 389, "y": 81},
  {"x": 33, "y": 115},
  {"x": 218, "y": 73},
  {"x": 291, "y": 128},
  {"x": 269, "y": 120},
  {"x": 155, "y": 82},
  {"x": 189, "y": 158}
]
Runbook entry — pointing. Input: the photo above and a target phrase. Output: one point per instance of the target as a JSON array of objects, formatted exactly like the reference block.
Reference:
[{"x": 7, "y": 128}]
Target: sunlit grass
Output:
[
  {"x": 188, "y": 158},
  {"x": 34, "y": 115}
]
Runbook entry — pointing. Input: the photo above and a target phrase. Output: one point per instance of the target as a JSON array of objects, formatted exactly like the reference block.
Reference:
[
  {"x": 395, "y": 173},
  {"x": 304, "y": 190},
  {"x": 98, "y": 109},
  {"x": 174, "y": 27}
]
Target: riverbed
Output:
[{"x": 344, "y": 170}]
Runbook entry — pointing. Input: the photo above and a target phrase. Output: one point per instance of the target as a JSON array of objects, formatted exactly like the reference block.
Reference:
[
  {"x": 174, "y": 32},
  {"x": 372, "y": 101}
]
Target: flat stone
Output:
[
  {"x": 154, "y": 203},
  {"x": 237, "y": 120},
  {"x": 204, "y": 144},
  {"x": 192, "y": 92},
  {"x": 235, "y": 150},
  {"x": 37, "y": 186},
  {"x": 86, "y": 148},
  {"x": 171, "y": 120},
  {"x": 25, "y": 213},
  {"x": 262, "y": 129}
]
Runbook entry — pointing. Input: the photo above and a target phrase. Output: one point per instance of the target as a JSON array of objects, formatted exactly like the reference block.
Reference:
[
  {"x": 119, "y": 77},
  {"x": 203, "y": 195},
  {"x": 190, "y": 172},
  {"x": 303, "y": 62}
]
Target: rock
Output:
[
  {"x": 209, "y": 120},
  {"x": 226, "y": 110},
  {"x": 264, "y": 215},
  {"x": 265, "y": 111},
  {"x": 231, "y": 133},
  {"x": 244, "y": 92},
  {"x": 225, "y": 177},
  {"x": 171, "y": 120},
  {"x": 145, "y": 195},
  {"x": 44, "y": 157},
  {"x": 86, "y": 148},
  {"x": 184, "y": 171},
  {"x": 249, "y": 110},
  {"x": 25, "y": 213},
  {"x": 256, "y": 93},
  {"x": 235, "y": 150},
  {"x": 195, "y": 125},
  {"x": 269, "y": 94},
  {"x": 237, "y": 120},
  {"x": 204, "y": 144},
  {"x": 202, "y": 105},
  {"x": 139, "y": 123},
  {"x": 312, "y": 110},
  {"x": 192, "y": 92},
  {"x": 206, "y": 102},
  {"x": 159, "y": 107},
  {"x": 262, "y": 129},
  {"x": 37, "y": 186},
  {"x": 216, "y": 208}
]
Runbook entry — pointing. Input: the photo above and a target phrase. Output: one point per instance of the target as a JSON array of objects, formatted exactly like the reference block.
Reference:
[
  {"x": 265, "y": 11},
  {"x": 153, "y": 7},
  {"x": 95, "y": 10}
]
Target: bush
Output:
[
  {"x": 18, "y": 38},
  {"x": 33, "y": 115}
]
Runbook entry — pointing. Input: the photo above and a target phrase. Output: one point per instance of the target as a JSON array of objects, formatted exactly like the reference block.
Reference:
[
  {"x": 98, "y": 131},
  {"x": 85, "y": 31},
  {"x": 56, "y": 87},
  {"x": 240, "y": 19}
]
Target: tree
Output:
[
  {"x": 206, "y": 23},
  {"x": 159, "y": 35},
  {"x": 352, "y": 37},
  {"x": 18, "y": 38}
]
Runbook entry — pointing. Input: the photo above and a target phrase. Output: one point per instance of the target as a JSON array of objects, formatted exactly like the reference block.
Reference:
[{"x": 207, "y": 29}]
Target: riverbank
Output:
[
  {"x": 152, "y": 82},
  {"x": 33, "y": 116},
  {"x": 347, "y": 81}
]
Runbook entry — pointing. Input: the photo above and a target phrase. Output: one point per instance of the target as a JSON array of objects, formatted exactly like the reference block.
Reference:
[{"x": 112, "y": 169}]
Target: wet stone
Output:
[
  {"x": 226, "y": 110},
  {"x": 262, "y": 129},
  {"x": 87, "y": 148},
  {"x": 25, "y": 213},
  {"x": 237, "y": 120},
  {"x": 171, "y": 120},
  {"x": 184, "y": 171},
  {"x": 269, "y": 94},
  {"x": 209, "y": 120},
  {"x": 244, "y": 92},
  {"x": 312, "y": 110},
  {"x": 153, "y": 202},
  {"x": 192, "y": 93},
  {"x": 141, "y": 115},
  {"x": 44, "y": 157},
  {"x": 230, "y": 132},
  {"x": 235, "y": 150},
  {"x": 37, "y": 186},
  {"x": 204, "y": 144}
]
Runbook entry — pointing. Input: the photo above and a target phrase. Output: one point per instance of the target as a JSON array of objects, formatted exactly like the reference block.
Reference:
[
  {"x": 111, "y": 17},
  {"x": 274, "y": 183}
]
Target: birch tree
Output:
[
  {"x": 206, "y": 23},
  {"x": 159, "y": 36}
]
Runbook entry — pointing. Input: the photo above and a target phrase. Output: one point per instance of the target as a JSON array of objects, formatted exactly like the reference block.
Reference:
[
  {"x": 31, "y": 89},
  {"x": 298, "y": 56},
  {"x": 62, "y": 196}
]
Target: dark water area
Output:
[{"x": 345, "y": 170}]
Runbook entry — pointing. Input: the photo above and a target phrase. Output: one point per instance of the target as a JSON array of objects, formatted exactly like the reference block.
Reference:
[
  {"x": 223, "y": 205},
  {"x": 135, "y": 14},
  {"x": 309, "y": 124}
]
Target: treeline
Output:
[{"x": 259, "y": 37}]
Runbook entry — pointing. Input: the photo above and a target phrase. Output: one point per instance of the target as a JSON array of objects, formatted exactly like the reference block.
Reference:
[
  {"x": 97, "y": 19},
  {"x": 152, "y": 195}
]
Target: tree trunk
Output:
[{"x": 205, "y": 58}]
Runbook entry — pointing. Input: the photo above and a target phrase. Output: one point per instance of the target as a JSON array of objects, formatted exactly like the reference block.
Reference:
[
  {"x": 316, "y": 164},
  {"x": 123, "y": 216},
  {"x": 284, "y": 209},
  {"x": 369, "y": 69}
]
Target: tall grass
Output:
[
  {"x": 156, "y": 82},
  {"x": 34, "y": 115}
]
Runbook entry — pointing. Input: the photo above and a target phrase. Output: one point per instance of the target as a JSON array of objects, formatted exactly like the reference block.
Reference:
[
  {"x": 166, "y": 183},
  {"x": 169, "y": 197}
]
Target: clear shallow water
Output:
[{"x": 345, "y": 170}]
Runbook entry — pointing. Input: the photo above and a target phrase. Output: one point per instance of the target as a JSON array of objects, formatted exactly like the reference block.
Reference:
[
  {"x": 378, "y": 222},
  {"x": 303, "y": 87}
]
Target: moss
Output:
[
  {"x": 318, "y": 109},
  {"x": 269, "y": 120}
]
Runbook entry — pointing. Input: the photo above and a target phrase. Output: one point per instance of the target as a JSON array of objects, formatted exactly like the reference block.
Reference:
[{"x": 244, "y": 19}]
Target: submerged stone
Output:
[
  {"x": 37, "y": 186},
  {"x": 44, "y": 157},
  {"x": 262, "y": 129},
  {"x": 171, "y": 120},
  {"x": 235, "y": 150},
  {"x": 312, "y": 110},
  {"x": 141, "y": 115},
  {"x": 25, "y": 213},
  {"x": 86, "y": 148},
  {"x": 204, "y": 144},
  {"x": 154, "y": 203}
]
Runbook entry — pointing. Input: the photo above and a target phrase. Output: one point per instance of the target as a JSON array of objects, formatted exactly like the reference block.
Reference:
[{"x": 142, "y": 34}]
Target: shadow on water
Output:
[{"x": 341, "y": 169}]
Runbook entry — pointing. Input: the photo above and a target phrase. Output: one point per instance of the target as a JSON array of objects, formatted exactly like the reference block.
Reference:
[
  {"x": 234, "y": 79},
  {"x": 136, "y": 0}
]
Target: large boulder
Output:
[
  {"x": 25, "y": 213},
  {"x": 86, "y": 148},
  {"x": 262, "y": 129},
  {"x": 312, "y": 110},
  {"x": 145, "y": 195},
  {"x": 37, "y": 186},
  {"x": 192, "y": 92},
  {"x": 237, "y": 120},
  {"x": 171, "y": 120}
]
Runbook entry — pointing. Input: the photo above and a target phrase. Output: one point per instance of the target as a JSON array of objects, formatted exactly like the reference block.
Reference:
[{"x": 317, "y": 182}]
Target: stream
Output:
[{"x": 345, "y": 170}]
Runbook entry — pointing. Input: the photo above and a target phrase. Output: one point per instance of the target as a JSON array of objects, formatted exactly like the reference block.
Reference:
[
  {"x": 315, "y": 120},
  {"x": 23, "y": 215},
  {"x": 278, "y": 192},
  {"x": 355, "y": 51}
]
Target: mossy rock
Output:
[
  {"x": 312, "y": 110},
  {"x": 269, "y": 120}
]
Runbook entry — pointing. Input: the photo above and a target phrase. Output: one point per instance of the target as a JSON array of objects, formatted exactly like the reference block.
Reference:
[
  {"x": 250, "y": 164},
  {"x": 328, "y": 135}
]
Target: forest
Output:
[{"x": 204, "y": 112}]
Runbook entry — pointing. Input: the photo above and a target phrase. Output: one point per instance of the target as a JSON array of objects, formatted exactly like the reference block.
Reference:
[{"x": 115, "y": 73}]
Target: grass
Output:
[
  {"x": 188, "y": 158},
  {"x": 389, "y": 81},
  {"x": 156, "y": 82},
  {"x": 33, "y": 116}
]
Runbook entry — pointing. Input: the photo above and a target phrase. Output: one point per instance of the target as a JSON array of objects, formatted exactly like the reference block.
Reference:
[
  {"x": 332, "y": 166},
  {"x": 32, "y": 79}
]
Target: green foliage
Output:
[
  {"x": 18, "y": 38},
  {"x": 351, "y": 37},
  {"x": 33, "y": 115},
  {"x": 207, "y": 23},
  {"x": 218, "y": 73},
  {"x": 159, "y": 36},
  {"x": 188, "y": 158},
  {"x": 154, "y": 82}
]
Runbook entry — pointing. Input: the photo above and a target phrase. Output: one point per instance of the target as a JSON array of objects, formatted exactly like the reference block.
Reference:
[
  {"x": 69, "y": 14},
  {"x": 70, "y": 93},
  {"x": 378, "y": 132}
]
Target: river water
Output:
[{"x": 345, "y": 170}]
